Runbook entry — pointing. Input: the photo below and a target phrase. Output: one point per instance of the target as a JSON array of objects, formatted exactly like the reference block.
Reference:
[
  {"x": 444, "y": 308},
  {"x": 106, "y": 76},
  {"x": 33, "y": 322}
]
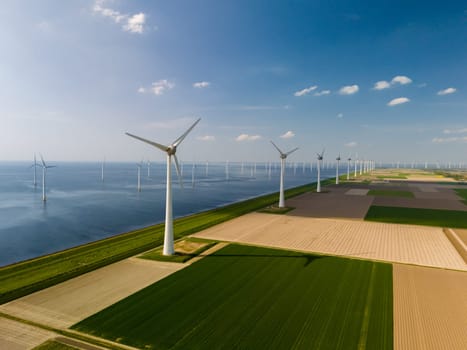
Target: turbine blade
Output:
[
  {"x": 292, "y": 151},
  {"x": 177, "y": 167},
  {"x": 51, "y": 166},
  {"x": 282, "y": 153},
  {"x": 155, "y": 144},
  {"x": 181, "y": 138},
  {"x": 322, "y": 153},
  {"x": 42, "y": 159}
]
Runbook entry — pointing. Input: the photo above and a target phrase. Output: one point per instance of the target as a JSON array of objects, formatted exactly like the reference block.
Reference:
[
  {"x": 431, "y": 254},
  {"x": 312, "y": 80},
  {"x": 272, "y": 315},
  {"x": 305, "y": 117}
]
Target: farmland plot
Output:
[{"x": 245, "y": 297}]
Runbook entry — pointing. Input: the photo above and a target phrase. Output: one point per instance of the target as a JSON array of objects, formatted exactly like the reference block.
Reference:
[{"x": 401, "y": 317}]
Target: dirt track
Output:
[
  {"x": 430, "y": 308},
  {"x": 420, "y": 245}
]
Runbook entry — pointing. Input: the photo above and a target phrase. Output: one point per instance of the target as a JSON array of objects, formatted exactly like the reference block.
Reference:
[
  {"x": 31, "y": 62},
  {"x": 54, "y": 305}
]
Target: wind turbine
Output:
[
  {"x": 35, "y": 165},
  {"x": 44, "y": 170},
  {"x": 170, "y": 150},
  {"x": 139, "y": 165},
  {"x": 348, "y": 167},
  {"x": 338, "y": 159},
  {"x": 283, "y": 157},
  {"x": 149, "y": 168},
  {"x": 320, "y": 159},
  {"x": 102, "y": 170}
]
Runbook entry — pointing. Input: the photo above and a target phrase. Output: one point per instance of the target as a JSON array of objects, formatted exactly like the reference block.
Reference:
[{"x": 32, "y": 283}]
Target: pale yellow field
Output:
[
  {"x": 420, "y": 245},
  {"x": 430, "y": 308}
]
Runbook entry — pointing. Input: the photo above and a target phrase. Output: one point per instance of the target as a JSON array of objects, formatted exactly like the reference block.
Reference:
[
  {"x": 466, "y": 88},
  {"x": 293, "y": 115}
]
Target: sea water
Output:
[{"x": 81, "y": 208}]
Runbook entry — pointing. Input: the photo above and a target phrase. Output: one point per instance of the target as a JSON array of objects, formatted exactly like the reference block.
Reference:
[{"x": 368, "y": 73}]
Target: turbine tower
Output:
[
  {"x": 35, "y": 165},
  {"x": 139, "y": 165},
  {"x": 337, "y": 169},
  {"x": 44, "y": 171},
  {"x": 348, "y": 167},
  {"x": 320, "y": 160},
  {"x": 170, "y": 150},
  {"x": 283, "y": 157}
]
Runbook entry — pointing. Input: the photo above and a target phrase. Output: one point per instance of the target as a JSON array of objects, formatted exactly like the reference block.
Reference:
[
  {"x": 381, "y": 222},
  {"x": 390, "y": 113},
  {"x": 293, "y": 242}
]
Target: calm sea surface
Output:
[{"x": 80, "y": 208}]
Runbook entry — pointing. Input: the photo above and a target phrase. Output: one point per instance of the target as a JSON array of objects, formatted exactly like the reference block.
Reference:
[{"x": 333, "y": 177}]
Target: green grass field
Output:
[
  {"x": 35, "y": 274},
  {"x": 245, "y": 297},
  {"x": 462, "y": 192},
  {"x": 416, "y": 216},
  {"x": 391, "y": 193}
]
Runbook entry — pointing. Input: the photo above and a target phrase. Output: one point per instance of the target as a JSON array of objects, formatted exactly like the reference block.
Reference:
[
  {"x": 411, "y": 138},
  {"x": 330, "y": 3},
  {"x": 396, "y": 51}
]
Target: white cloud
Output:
[
  {"x": 456, "y": 131},
  {"x": 321, "y": 93},
  {"x": 201, "y": 84},
  {"x": 401, "y": 79},
  {"x": 141, "y": 90},
  {"x": 206, "y": 138},
  {"x": 340, "y": 115},
  {"x": 398, "y": 101},
  {"x": 246, "y": 137},
  {"x": 135, "y": 24},
  {"x": 351, "y": 144},
  {"x": 381, "y": 85},
  {"x": 348, "y": 90},
  {"x": 160, "y": 86},
  {"x": 289, "y": 134},
  {"x": 447, "y": 91},
  {"x": 130, "y": 23},
  {"x": 306, "y": 90},
  {"x": 449, "y": 139}
]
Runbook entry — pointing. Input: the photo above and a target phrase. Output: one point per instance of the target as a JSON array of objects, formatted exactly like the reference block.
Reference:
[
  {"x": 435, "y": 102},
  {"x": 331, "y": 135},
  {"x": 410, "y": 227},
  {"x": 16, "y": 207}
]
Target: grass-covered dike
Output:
[{"x": 32, "y": 275}]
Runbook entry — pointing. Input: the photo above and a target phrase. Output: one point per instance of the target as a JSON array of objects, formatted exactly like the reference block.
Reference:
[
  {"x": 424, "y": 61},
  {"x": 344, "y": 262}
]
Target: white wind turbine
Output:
[
  {"x": 338, "y": 159},
  {"x": 139, "y": 166},
  {"x": 102, "y": 170},
  {"x": 320, "y": 160},
  {"x": 35, "y": 165},
  {"x": 170, "y": 150},
  {"x": 44, "y": 171},
  {"x": 283, "y": 157},
  {"x": 348, "y": 167}
]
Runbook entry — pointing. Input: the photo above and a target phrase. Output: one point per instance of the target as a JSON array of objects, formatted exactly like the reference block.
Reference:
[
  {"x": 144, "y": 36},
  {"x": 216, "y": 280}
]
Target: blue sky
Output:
[{"x": 385, "y": 79}]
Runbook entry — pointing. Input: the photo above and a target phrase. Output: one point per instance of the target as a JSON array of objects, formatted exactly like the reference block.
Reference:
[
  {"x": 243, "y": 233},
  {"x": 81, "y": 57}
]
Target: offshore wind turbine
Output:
[
  {"x": 283, "y": 157},
  {"x": 102, "y": 170},
  {"x": 348, "y": 167},
  {"x": 35, "y": 165},
  {"x": 171, "y": 151},
  {"x": 338, "y": 159},
  {"x": 320, "y": 160},
  {"x": 44, "y": 171},
  {"x": 139, "y": 166}
]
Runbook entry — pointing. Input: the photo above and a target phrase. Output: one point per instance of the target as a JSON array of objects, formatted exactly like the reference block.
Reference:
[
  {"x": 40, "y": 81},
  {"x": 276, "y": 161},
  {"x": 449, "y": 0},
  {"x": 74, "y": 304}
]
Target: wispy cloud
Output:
[
  {"x": 305, "y": 91},
  {"x": 206, "y": 138},
  {"x": 401, "y": 79},
  {"x": 201, "y": 84},
  {"x": 351, "y": 144},
  {"x": 246, "y": 137},
  {"x": 455, "y": 131},
  {"x": 340, "y": 115},
  {"x": 381, "y": 85},
  {"x": 449, "y": 139},
  {"x": 130, "y": 23},
  {"x": 447, "y": 91},
  {"x": 289, "y": 134},
  {"x": 160, "y": 86},
  {"x": 142, "y": 90},
  {"x": 397, "y": 80},
  {"x": 348, "y": 90},
  {"x": 398, "y": 101},
  {"x": 322, "y": 92}
]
